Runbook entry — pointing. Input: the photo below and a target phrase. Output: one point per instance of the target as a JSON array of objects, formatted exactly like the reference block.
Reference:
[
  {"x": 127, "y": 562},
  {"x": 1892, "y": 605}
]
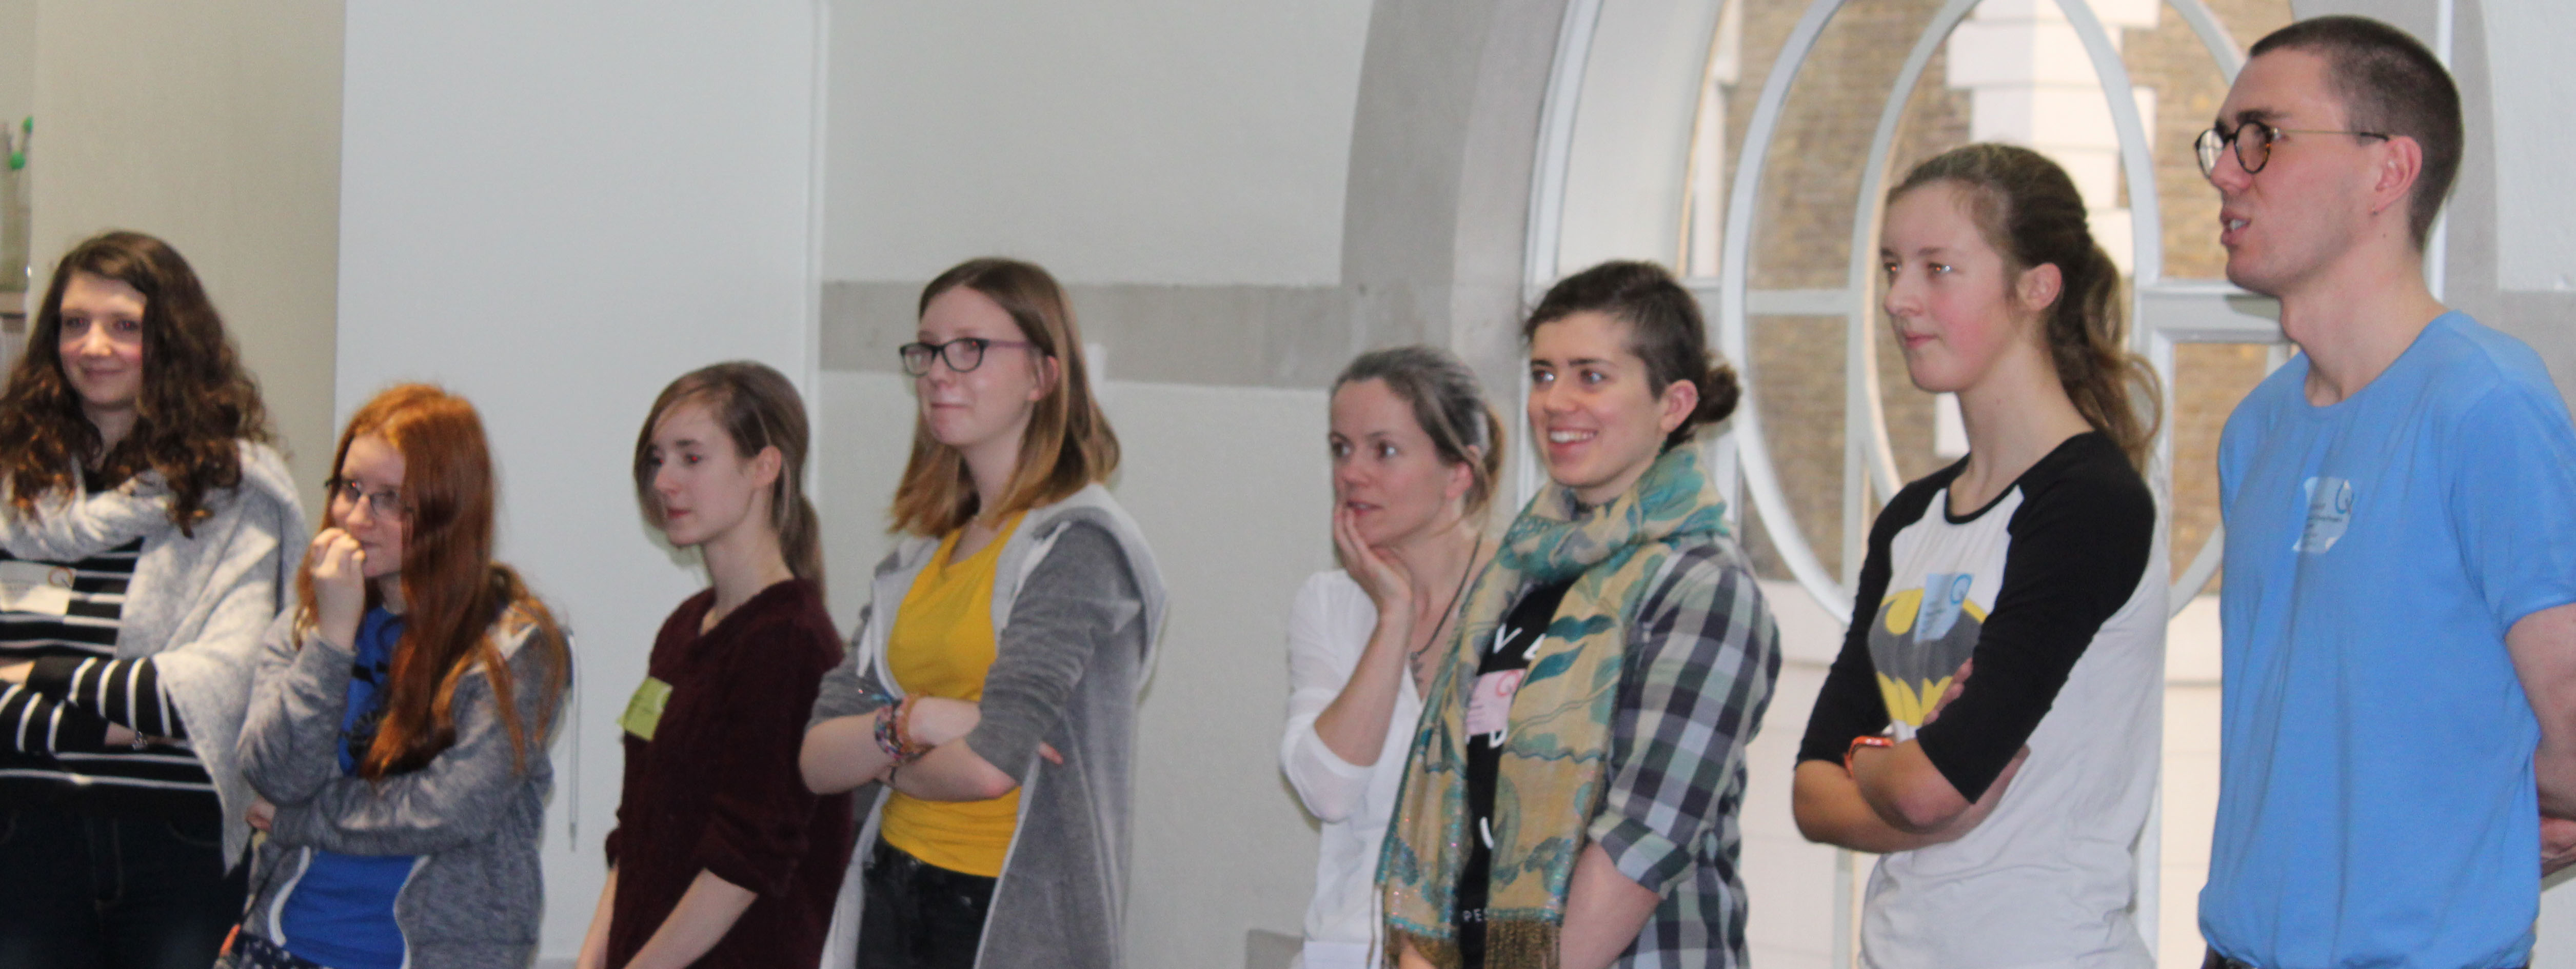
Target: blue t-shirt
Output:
[
  {"x": 2376, "y": 803},
  {"x": 340, "y": 912}
]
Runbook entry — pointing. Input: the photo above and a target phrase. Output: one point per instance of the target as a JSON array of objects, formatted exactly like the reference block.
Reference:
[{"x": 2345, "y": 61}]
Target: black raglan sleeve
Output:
[{"x": 2080, "y": 545}]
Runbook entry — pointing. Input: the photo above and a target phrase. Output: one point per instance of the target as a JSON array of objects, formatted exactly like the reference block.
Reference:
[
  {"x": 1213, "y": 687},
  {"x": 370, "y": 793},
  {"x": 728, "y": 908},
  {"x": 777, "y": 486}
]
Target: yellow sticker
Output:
[{"x": 644, "y": 712}]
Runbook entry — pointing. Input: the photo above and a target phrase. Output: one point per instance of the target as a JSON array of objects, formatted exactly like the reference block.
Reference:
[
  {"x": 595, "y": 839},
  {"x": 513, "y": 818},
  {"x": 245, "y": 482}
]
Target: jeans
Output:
[
  {"x": 88, "y": 892},
  {"x": 916, "y": 915}
]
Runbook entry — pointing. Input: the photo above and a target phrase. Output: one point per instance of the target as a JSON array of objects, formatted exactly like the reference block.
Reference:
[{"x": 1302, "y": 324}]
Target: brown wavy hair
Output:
[
  {"x": 453, "y": 591},
  {"x": 757, "y": 408},
  {"x": 2030, "y": 212},
  {"x": 197, "y": 403},
  {"x": 1068, "y": 444}
]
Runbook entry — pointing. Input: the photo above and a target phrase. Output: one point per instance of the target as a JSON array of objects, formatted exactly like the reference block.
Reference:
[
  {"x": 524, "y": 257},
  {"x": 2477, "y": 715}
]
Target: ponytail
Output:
[
  {"x": 2030, "y": 212},
  {"x": 2088, "y": 342}
]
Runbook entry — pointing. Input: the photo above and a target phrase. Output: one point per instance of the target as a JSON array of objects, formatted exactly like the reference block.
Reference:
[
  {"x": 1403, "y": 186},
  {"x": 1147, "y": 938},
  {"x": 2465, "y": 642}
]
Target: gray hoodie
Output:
[
  {"x": 471, "y": 816},
  {"x": 1077, "y": 604},
  {"x": 197, "y": 602}
]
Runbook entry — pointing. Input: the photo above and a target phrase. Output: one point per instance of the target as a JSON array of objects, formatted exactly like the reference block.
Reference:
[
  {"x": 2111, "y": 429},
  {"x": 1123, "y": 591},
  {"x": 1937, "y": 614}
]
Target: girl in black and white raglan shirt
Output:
[{"x": 1991, "y": 724}]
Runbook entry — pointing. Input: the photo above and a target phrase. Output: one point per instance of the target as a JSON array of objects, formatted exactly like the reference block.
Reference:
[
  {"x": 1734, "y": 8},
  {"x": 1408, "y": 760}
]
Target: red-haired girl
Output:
[{"x": 397, "y": 733}]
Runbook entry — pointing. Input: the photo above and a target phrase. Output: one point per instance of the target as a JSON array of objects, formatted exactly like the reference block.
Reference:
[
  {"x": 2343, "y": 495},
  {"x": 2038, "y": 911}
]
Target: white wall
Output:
[
  {"x": 218, "y": 130},
  {"x": 17, "y": 59},
  {"x": 554, "y": 209},
  {"x": 2536, "y": 235},
  {"x": 1625, "y": 172},
  {"x": 1137, "y": 141}
]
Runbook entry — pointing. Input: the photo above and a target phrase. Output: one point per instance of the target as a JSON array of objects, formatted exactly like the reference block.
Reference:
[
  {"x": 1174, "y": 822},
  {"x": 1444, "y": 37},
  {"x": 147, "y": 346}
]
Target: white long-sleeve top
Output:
[{"x": 1328, "y": 627}]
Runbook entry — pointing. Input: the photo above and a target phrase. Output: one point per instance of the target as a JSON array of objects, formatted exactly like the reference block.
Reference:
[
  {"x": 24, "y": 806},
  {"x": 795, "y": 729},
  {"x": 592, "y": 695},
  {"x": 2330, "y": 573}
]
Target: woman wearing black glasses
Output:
[{"x": 988, "y": 703}]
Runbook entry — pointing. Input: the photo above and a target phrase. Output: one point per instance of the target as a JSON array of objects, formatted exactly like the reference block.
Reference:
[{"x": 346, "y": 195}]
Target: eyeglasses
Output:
[
  {"x": 387, "y": 503},
  {"x": 2255, "y": 151},
  {"x": 963, "y": 354}
]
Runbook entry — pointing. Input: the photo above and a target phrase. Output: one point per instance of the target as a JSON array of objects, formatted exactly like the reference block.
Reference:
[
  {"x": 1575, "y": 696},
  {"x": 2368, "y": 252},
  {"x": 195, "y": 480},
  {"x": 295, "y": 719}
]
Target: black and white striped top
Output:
[{"x": 55, "y": 726}]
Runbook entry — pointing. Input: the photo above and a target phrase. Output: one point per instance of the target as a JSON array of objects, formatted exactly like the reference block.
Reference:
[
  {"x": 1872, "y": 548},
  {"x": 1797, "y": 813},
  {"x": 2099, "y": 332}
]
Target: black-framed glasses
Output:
[
  {"x": 387, "y": 503},
  {"x": 963, "y": 354},
  {"x": 2254, "y": 141}
]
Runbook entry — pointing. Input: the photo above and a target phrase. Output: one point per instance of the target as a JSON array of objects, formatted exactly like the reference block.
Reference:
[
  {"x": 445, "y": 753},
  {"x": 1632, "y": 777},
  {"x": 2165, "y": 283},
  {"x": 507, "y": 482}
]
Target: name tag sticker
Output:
[
  {"x": 1489, "y": 709},
  {"x": 35, "y": 587},
  {"x": 644, "y": 712}
]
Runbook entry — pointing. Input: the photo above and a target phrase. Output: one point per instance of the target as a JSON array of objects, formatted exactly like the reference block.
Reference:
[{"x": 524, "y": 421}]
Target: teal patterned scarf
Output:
[{"x": 1548, "y": 785}]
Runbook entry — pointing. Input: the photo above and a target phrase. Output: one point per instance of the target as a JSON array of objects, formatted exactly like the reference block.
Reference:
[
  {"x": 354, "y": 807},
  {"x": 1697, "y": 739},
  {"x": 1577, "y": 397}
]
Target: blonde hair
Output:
[{"x": 1068, "y": 444}]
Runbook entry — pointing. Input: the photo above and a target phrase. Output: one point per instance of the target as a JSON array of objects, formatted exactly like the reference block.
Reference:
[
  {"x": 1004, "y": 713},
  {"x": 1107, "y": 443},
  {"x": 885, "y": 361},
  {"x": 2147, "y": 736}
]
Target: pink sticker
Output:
[{"x": 1490, "y": 707}]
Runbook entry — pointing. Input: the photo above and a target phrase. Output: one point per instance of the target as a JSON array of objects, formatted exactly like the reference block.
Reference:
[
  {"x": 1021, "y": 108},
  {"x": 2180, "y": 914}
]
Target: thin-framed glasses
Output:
[
  {"x": 386, "y": 503},
  {"x": 2256, "y": 151},
  {"x": 963, "y": 354}
]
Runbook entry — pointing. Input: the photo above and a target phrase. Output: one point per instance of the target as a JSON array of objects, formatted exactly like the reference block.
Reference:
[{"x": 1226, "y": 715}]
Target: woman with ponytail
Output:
[
  {"x": 721, "y": 857},
  {"x": 987, "y": 709},
  {"x": 1573, "y": 790},
  {"x": 1416, "y": 456},
  {"x": 2007, "y": 804},
  {"x": 397, "y": 734}
]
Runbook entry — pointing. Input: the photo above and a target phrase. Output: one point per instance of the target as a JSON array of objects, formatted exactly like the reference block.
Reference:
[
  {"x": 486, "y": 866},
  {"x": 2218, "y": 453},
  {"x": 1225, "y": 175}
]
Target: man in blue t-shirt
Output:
[{"x": 2400, "y": 501}]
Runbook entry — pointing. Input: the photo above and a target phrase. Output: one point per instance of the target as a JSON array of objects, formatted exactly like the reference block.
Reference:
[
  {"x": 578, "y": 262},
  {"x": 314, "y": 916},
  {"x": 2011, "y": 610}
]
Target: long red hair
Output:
[{"x": 452, "y": 589}]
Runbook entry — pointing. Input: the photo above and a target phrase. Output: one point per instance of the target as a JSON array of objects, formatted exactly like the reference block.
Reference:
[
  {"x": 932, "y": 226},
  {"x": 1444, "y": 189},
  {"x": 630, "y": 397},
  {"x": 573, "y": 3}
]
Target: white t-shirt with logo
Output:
[{"x": 2058, "y": 589}]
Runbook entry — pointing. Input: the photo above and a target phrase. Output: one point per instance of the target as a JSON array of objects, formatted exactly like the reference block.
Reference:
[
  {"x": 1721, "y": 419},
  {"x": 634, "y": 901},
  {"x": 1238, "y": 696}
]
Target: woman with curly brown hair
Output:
[{"x": 143, "y": 545}]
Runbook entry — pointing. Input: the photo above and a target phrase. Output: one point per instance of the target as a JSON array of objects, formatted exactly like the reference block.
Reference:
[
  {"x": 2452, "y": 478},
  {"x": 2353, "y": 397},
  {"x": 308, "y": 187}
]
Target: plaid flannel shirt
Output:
[{"x": 1703, "y": 654}]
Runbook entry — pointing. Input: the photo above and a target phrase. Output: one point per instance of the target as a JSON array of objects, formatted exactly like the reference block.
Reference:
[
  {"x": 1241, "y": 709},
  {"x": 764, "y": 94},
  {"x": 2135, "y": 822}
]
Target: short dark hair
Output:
[
  {"x": 2391, "y": 84},
  {"x": 1665, "y": 329}
]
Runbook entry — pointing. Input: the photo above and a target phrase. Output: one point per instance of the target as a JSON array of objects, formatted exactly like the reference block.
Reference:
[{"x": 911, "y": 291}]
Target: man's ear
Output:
[{"x": 2400, "y": 165}]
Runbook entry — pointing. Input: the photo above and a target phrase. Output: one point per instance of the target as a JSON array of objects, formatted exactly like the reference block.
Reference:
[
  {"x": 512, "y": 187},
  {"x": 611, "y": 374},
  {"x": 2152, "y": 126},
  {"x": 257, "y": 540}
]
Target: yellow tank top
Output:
[{"x": 941, "y": 645}]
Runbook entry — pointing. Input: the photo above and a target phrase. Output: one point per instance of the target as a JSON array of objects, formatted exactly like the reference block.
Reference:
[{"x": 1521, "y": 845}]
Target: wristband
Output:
[
  {"x": 1872, "y": 740},
  {"x": 890, "y": 733},
  {"x": 907, "y": 749}
]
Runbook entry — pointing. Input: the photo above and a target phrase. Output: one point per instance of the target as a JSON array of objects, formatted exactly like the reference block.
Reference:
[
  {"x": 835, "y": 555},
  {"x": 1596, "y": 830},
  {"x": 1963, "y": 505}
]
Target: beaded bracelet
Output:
[
  {"x": 888, "y": 737},
  {"x": 894, "y": 734}
]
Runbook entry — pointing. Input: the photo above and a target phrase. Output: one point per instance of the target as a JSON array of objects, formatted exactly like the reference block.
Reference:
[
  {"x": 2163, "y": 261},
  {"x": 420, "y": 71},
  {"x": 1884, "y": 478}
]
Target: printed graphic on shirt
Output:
[
  {"x": 2329, "y": 514},
  {"x": 1921, "y": 636}
]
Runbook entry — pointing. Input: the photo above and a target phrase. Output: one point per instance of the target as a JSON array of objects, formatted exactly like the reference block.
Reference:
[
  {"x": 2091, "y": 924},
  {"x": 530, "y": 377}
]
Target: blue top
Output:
[
  {"x": 340, "y": 913},
  {"x": 2376, "y": 802}
]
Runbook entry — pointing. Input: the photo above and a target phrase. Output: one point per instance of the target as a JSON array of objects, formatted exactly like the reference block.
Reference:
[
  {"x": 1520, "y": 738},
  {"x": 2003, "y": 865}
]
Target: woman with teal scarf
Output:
[{"x": 1573, "y": 791}]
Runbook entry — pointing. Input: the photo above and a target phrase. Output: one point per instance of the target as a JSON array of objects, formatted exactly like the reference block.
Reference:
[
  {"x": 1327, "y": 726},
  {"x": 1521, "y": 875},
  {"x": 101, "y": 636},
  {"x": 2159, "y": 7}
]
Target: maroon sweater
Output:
[{"x": 717, "y": 788}]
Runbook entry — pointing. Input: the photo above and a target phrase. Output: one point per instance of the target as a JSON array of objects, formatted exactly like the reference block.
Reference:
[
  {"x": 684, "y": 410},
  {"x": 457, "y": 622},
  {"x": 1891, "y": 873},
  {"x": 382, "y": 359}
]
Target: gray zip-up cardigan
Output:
[
  {"x": 1077, "y": 605},
  {"x": 197, "y": 601},
  {"x": 475, "y": 894}
]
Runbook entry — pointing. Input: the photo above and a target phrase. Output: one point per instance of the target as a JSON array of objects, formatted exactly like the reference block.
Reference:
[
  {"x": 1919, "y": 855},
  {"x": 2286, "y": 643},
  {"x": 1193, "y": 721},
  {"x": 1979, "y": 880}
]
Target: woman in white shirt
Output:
[{"x": 1416, "y": 451}]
